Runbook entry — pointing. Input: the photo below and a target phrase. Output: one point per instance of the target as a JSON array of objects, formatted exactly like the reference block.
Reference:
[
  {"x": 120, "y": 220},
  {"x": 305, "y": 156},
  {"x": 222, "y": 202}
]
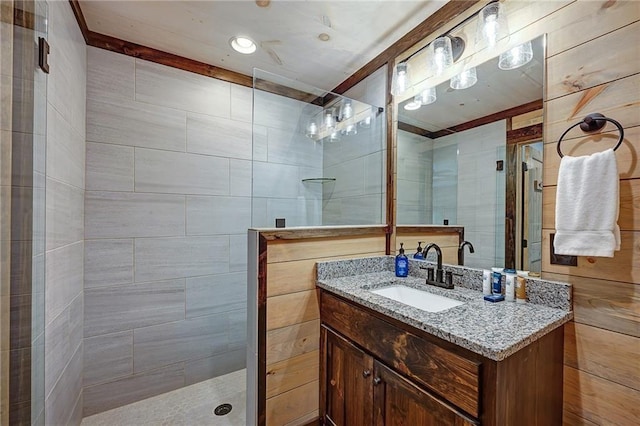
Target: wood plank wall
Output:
[
  {"x": 293, "y": 321},
  {"x": 593, "y": 65}
]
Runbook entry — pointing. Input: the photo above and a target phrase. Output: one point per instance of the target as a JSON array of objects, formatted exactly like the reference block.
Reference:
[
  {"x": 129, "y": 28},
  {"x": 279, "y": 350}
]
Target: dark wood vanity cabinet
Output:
[{"x": 376, "y": 370}]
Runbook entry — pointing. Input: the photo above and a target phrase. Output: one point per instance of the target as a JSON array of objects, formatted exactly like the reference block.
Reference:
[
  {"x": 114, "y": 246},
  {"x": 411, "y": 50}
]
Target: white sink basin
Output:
[{"x": 417, "y": 298}]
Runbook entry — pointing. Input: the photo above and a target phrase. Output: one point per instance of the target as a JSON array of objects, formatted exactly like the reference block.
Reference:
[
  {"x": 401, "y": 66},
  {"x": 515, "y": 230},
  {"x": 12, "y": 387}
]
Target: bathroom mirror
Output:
[{"x": 473, "y": 158}]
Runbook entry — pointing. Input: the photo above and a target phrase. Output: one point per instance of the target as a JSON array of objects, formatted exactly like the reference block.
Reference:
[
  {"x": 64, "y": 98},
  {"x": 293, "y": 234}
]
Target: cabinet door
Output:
[
  {"x": 348, "y": 382},
  {"x": 399, "y": 402}
]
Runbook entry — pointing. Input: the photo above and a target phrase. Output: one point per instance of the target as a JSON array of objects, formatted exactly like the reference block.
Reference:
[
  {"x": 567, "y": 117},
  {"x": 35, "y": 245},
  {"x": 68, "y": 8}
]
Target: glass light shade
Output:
[
  {"x": 334, "y": 136},
  {"x": 400, "y": 80},
  {"x": 328, "y": 120},
  {"x": 465, "y": 79},
  {"x": 492, "y": 25},
  {"x": 428, "y": 96},
  {"x": 350, "y": 129},
  {"x": 347, "y": 110},
  {"x": 366, "y": 122},
  {"x": 516, "y": 57},
  {"x": 441, "y": 55},
  {"x": 414, "y": 104},
  {"x": 312, "y": 130}
]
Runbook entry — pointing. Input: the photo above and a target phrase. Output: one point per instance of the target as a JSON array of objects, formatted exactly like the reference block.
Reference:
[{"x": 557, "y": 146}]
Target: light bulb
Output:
[
  {"x": 428, "y": 96},
  {"x": 347, "y": 111},
  {"x": 329, "y": 122},
  {"x": 312, "y": 130}
]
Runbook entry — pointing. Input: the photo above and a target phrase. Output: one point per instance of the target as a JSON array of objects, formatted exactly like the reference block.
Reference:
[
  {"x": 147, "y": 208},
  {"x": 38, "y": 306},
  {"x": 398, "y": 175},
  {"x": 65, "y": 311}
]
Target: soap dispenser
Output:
[
  {"x": 418, "y": 254},
  {"x": 402, "y": 263}
]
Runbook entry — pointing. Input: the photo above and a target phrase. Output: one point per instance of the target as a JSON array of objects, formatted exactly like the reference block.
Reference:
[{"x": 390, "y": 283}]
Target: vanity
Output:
[{"x": 385, "y": 362}]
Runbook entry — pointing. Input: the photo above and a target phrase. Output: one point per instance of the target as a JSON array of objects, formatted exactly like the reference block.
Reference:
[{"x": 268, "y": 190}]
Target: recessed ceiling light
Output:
[
  {"x": 413, "y": 105},
  {"x": 242, "y": 44},
  {"x": 324, "y": 36}
]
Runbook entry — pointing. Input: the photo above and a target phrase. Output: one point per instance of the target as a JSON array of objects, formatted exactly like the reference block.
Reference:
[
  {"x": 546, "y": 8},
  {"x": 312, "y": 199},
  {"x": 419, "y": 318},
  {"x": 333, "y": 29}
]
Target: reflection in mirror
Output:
[{"x": 473, "y": 158}]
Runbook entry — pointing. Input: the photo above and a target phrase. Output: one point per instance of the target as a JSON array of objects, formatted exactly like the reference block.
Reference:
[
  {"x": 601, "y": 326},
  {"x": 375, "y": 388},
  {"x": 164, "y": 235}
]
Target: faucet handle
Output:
[{"x": 448, "y": 278}]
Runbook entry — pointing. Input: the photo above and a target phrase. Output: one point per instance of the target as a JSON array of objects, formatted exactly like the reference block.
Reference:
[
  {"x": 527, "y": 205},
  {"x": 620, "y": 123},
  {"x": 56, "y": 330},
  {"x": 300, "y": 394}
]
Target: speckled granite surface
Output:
[{"x": 495, "y": 330}]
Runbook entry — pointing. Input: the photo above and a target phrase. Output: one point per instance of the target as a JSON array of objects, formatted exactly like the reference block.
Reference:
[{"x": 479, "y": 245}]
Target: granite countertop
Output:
[{"x": 494, "y": 330}]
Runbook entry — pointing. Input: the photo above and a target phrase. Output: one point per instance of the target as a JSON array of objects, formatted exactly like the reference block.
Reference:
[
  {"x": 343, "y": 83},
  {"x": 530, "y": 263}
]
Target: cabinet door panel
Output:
[
  {"x": 348, "y": 382},
  {"x": 398, "y": 402}
]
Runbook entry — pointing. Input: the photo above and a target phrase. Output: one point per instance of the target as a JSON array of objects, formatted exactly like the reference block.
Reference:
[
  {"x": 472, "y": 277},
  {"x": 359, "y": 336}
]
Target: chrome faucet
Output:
[
  {"x": 461, "y": 251},
  {"x": 439, "y": 280}
]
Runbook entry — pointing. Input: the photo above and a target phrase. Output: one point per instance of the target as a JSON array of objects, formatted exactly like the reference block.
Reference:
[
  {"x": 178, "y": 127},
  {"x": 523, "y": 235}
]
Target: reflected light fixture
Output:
[
  {"x": 516, "y": 57},
  {"x": 492, "y": 25},
  {"x": 400, "y": 80},
  {"x": 329, "y": 122},
  {"x": 242, "y": 44},
  {"x": 464, "y": 80},
  {"x": 428, "y": 96},
  {"x": 347, "y": 110},
  {"x": 312, "y": 130},
  {"x": 414, "y": 104}
]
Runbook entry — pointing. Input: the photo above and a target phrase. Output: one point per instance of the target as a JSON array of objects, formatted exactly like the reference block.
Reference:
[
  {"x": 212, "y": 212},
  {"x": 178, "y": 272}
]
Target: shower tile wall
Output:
[
  {"x": 168, "y": 204},
  {"x": 357, "y": 195},
  {"x": 415, "y": 176},
  {"x": 479, "y": 184},
  {"x": 283, "y": 156},
  {"x": 65, "y": 185}
]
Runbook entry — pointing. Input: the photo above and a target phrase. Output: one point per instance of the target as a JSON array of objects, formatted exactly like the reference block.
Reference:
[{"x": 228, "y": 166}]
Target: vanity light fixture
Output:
[
  {"x": 516, "y": 57},
  {"x": 312, "y": 130},
  {"x": 464, "y": 80},
  {"x": 492, "y": 25},
  {"x": 242, "y": 44}
]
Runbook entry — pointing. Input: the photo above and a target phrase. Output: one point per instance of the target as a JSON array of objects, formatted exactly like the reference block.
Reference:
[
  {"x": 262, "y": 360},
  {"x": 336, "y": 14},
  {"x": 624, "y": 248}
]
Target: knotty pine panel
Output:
[
  {"x": 314, "y": 248},
  {"x": 288, "y": 342},
  {"x": 609, "y": 305},
  {"x": 585, "y": 144},
  {"x": 628, "y": 220},
  {"x": 297, "y": 275},
  {"x": 595, "y": 69},
  {"x": 293, "y": 405},
  {"x": 582, "y": 21},
  {"x": 583, "y": 350},
  {"x": 616, "y": 99},
  {"x": 599, "y": 400},
  {"x": 293, "y": 308},
  {"x": 285, "y": 375},
  {"x": 527, "y": 119},
  {"x": 624, "y": 266}
]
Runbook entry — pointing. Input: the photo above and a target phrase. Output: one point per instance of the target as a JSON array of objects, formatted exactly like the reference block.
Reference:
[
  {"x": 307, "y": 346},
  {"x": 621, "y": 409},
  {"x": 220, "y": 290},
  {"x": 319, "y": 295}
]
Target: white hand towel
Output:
[{"x": 587, "y": 202}]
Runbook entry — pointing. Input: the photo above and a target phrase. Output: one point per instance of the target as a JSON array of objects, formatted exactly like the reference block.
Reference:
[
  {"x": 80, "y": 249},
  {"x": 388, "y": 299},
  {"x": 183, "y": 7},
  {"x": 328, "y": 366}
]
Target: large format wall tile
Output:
[
  {"x": 214, "y": 366},
  {"x": 63, "y": 336},
  {"x": 238, "y": 329},
  {"x": 218, "y": 215},
  {"x": 275, "y": 180},
  {"x": 165, "y": 258},
  {"x": 241, "y": 103},
  {"x": 124, "y": 122},
  {"x": 291, "y": 147},
  {"x": 160, "y": 85},
  {"x": 65, "y": 214},
  {"x": 119, "y": 308},
  {"x": 238, "y": 252},
  {"x": 108, "y": 357},
  {"x": 180, "y": 173},
  {"x": 123, "y": 214},
  {"x": 213, "y": 294},
  {"x": 109, "y": 395},
  {"x": 65, "y": 151},
  {"x": 109, "y": 167},
  {"x": 109, "y": 74},
  {"x": 108, "y": 262},
  {"x": 64, "y": 274},
  {"x": 240, "y": 178},
  {"x": 62, "y": 399},
  {"x": 165, "y": 344},
  {"x": 218, "y": 136}
]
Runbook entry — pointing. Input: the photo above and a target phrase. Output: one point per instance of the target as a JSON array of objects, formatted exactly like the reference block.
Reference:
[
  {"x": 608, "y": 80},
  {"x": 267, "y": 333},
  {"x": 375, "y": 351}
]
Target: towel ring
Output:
[{"x": 592, "y": 123}]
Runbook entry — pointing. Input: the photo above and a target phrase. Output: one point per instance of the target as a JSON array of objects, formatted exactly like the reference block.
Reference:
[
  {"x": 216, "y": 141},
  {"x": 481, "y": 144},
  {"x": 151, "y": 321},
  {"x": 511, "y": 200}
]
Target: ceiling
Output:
[
  {"x": 495, "y": 91},
  {"x": 286, "y": 32}
]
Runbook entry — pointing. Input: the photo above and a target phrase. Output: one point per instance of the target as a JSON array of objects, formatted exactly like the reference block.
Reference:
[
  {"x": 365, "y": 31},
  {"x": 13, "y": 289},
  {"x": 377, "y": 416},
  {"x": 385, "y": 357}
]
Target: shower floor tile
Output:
[{"x": 189, "y": 406}]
